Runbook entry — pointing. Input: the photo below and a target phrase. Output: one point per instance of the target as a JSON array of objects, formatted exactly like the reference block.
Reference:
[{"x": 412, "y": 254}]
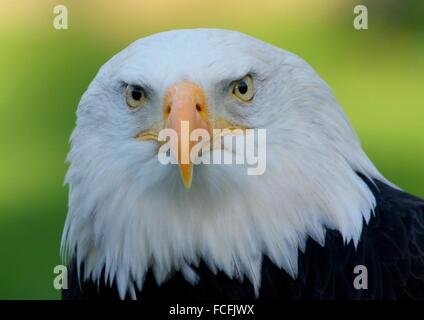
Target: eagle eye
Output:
[
  {"x": 243, "y": 89},
  {"x": 134, "y": 96}
]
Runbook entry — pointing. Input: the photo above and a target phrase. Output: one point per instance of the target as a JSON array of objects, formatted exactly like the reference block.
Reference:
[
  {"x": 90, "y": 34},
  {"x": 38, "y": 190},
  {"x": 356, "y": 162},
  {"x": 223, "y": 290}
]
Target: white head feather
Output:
[{"x": 128, "y": 213}]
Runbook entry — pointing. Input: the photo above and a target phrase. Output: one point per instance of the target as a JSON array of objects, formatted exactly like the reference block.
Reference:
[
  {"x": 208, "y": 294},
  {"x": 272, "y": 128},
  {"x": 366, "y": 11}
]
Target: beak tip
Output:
[
  {"x": 186, "y": 175},
  {"x": 187, "y": 184}
]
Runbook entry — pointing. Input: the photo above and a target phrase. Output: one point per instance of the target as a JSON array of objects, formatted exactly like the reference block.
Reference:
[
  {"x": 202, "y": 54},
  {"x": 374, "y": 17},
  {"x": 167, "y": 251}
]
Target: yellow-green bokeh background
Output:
[{"x": 377, "y": 75}]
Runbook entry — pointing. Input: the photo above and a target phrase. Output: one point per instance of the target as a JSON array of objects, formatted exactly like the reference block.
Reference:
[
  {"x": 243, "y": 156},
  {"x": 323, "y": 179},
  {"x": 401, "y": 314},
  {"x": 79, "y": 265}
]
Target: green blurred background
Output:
[{"x": 376, "y": 74}]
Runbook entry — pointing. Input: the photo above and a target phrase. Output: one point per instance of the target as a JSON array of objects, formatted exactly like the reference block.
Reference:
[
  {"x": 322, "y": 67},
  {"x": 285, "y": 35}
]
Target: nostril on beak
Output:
[
  {"x": 198, "y": 107},
  {"x": 168, "y": 110}
]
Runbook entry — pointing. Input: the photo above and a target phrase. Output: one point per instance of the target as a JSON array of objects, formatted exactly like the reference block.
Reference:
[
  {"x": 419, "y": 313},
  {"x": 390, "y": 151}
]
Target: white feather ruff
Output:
[{"x": 128, "y": 213}]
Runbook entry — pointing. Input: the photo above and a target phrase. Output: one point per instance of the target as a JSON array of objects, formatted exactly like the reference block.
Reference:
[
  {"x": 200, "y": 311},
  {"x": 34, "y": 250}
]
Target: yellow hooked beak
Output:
[{"x": 185, "y": 102}]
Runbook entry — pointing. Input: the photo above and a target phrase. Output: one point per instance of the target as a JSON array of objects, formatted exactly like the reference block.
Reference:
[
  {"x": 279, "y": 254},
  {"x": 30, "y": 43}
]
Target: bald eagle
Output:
[{"x": 139, "y": 229}]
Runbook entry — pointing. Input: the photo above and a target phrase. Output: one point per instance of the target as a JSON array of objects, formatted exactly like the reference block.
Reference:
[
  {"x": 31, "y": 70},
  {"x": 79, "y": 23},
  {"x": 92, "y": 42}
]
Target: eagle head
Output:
[{"x": 130, "y": 213}]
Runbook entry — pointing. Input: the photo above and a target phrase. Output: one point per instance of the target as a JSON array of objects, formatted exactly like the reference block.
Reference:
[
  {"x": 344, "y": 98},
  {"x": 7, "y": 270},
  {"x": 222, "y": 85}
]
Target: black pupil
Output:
[
  {"x": 242, "y": 87},
  {"x": 136, "y": 95}
]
